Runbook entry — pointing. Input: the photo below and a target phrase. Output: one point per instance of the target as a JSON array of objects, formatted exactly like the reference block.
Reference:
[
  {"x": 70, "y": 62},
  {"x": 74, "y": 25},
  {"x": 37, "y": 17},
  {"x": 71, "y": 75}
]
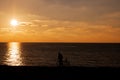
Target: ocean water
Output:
[{"x": 45, "y": 54}]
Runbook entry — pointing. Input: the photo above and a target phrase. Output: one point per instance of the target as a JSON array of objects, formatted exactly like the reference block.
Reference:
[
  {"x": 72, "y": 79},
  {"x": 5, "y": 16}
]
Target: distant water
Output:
[{"x": 45, "y": 54}]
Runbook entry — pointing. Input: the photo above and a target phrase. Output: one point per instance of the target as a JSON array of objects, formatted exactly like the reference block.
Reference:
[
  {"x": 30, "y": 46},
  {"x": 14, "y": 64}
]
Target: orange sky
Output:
[{"x": 60, "y": 21}]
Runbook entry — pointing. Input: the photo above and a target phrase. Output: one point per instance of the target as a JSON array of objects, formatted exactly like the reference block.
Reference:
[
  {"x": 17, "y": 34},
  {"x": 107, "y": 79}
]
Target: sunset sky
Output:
[{"x": 60, "y": 20}]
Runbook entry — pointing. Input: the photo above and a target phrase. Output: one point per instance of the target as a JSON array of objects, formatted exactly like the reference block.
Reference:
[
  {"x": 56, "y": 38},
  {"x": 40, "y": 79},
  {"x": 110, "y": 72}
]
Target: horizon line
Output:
[{"x": 53, "y": 42}]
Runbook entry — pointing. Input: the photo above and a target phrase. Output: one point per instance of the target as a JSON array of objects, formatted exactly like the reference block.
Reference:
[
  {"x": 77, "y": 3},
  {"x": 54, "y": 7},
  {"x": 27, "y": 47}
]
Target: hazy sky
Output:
[{"x": 60, "y": 20}]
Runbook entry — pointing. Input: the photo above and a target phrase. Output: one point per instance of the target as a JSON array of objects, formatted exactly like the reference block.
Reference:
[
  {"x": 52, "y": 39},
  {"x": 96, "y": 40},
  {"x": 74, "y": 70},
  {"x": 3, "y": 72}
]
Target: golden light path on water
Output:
[{"x": 13, "y": 56}]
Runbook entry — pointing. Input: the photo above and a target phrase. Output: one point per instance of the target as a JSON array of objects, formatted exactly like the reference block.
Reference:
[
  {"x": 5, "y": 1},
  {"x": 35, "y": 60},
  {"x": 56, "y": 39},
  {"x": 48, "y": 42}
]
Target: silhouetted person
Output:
[{"x": 60, "y": 59}]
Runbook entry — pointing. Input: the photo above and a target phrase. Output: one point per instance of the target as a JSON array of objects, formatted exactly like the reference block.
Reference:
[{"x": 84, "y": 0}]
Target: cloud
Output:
[
  {"x": 80, "y": 20},
  {"x": 75, "y": 10},
  {"x": 58, "y": 30}
]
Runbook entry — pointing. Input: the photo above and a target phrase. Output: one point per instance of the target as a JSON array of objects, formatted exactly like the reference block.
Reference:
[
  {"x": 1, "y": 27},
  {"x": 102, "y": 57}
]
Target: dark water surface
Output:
[{"x": 45, "y": 54}]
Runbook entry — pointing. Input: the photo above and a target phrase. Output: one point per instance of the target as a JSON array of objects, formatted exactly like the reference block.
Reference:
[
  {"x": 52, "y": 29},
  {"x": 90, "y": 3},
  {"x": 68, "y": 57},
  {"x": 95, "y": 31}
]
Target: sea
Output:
[{"x": 46, "y": 54}]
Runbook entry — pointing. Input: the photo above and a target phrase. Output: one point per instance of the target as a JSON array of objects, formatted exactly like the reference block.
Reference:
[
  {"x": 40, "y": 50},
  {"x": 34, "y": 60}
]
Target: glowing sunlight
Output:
[
  {"x": 14, "y": 22},
  {"x": 13, "y": 56}
]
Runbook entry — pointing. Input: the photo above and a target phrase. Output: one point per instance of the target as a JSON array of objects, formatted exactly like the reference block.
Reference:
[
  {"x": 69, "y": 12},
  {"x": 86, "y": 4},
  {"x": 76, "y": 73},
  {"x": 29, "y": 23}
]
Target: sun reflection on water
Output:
[{"x": 13, "y": 56}]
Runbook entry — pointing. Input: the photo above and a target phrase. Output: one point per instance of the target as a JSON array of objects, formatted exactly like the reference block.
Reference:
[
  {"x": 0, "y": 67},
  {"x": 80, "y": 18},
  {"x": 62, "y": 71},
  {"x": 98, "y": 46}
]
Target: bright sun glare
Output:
[{"x": 14, "y": 22}]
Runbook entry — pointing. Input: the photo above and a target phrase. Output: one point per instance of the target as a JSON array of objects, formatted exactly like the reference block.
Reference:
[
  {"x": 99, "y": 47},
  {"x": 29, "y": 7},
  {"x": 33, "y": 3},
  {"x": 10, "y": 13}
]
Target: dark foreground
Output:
[{"x": 58, "y": 73}]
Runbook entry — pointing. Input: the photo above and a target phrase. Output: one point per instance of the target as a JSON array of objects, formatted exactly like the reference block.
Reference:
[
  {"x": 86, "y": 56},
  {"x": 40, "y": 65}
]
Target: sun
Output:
[{"x": 14, "y": 22}]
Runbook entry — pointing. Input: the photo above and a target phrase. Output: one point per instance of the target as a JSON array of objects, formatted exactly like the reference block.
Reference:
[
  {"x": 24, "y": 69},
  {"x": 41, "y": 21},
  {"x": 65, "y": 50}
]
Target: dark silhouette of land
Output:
[{"x": 56, "y": 73}]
